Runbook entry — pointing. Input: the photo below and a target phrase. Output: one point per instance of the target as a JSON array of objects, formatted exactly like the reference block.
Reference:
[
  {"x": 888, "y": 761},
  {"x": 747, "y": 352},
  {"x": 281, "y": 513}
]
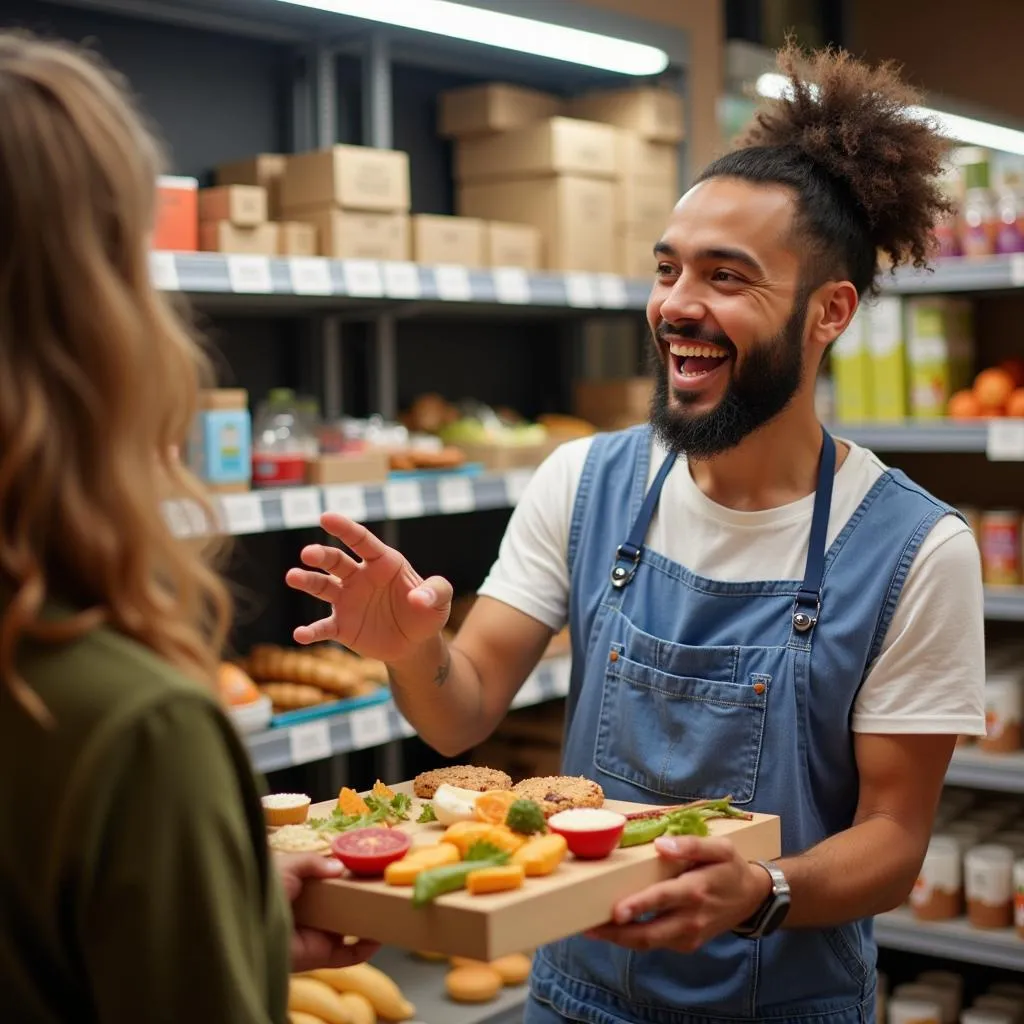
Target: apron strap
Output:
[
  {"x": 627, "y": 555},
  {"x": 807, "y": 606}
]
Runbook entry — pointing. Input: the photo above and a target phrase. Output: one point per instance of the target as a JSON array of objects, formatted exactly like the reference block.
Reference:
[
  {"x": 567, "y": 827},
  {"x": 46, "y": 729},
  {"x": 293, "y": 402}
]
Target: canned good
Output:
[{"x": 1001, "y": 547}]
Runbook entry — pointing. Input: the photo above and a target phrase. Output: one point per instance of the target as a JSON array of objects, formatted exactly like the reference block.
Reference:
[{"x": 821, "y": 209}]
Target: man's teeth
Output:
[{"x": 704, "y": 351}]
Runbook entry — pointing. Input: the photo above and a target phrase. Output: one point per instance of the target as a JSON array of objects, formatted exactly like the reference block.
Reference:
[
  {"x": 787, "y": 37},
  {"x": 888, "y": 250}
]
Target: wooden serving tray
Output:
[{"x": 577, "y": 896}]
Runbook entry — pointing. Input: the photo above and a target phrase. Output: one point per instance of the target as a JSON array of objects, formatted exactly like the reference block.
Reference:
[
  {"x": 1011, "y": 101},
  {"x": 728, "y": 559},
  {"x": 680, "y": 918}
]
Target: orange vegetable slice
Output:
[
  {"x": 350, "y": 802},
  {"x": 493, "y": 805},
  {"x": 382, "y": 792}
]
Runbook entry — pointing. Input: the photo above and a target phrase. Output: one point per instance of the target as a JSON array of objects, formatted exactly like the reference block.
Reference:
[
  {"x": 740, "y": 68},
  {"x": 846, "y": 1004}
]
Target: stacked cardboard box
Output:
[
  {"x": 650, "y": 123},
  {"x": 355, "y": 197},
  {"x": 234, "y": 218}
]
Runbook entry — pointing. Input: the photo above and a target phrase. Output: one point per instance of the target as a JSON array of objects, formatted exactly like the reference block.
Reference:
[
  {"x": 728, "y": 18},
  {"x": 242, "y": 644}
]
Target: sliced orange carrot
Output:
[
  {"x": 493, "y": 805},
  {"x": 350, "y": 802},
  {"x": 382, "y": 792},
  {"x": 508, "y": 876}
]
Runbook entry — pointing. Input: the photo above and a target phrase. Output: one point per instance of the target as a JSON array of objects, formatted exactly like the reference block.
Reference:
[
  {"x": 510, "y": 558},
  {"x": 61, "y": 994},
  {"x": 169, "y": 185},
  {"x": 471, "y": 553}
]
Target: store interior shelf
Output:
[
  {"x": 295, "y": 508},
  {"x": 317, "y": 281},
  {"x": 960, "y": 438},
  {"x": 953, "y": 940},
  {"x": 992, "y": 273},
  {"x": 978, "y": 770},
  {"x": 369, "y": 727},
  {"x": 1004, "y": 604}
]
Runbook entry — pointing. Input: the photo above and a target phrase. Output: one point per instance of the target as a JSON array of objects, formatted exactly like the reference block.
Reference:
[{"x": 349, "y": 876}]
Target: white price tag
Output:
[
  {"x": 1005, "y": 441},
  {"x": 402, "y": 280},
  {"x": 515, "y": 483},
  {"x": 300, "y": 507},
  {"x": 579, "y": 290},
  {"x": 347, "y": 500},
  {"x": 455, "y": 494},
  {"x": 403, "y": 499},
  {"x": 196, "y": 522},
  {"x": 512, "y": 285},
  {"x": 1017, "y": 269},
  {"x": 363, "y": 278},
  {"x": 453, "y": 284},
  {"x": 243, "y": 513},
  {"x": 177, "y": 518},
  {"x": 163, "y": 270},
  {"x": 311, "y": 275},
  {"x": 310, "y": 741},
  {"x": 370, "y": 727},
  {"x": 612, "y": 290},
  {"x": 249, "y": 274}
]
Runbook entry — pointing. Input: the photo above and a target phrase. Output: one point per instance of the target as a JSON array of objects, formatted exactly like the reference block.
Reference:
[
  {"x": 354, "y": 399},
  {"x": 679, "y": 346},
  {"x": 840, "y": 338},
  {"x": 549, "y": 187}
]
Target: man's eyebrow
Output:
[{"x": 723, "y": 253}]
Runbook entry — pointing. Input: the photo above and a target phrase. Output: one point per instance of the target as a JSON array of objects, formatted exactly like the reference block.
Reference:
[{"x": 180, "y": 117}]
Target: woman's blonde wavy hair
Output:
[{"x": 99, "y": 379}]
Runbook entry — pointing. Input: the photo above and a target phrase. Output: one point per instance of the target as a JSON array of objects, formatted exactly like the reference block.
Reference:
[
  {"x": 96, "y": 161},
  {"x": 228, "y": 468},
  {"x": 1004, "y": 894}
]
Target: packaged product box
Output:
[
  {"x": 264, "y": 169},
  {"x": 576, "y": 217},
  {"x": 512, "y": 245},
  {"x": 613, "y": 404},
  {"x": 349, "y": 177},
  {"x": 648, "y": 162},
  {"x": 577, "y": 894},
  {"x": 643, "y": 208},
  {"x": 451, "y": 240},
  {"x": 219, "y": 450},
  {"x": 636, "y": 254},
  {"x": 887, "y": 347},
  {"x": 296, "y": 238},
  {"x": 177, "y": 214},
  {"x": 222, "y": 236},
  {"x": 349, "y": 235},
  {"x": 940, "y": 348},
  {"x": 245, "y": 206},
  {"x": 370, "y": 466},
  {"x": 494, "y": 107},
  {"x": 653, "y": 113},
  {"x": 558, "y": 145},
  {"x": 851, "y": 371}
]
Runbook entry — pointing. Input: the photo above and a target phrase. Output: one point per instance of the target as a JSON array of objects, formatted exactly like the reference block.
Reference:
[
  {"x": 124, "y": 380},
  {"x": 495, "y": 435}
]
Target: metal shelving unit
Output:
[
  {"x": 378, "y": 724},
  {"x": 977, "y": 770},
  {"x": 911, "y": 436},
  {"x": 951, "y": 940},
  {"x": 988, "y": 274}
]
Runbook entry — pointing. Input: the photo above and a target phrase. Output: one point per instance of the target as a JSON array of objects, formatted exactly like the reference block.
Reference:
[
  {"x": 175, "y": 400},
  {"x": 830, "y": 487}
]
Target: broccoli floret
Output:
[{"x": 526, "y": 818}]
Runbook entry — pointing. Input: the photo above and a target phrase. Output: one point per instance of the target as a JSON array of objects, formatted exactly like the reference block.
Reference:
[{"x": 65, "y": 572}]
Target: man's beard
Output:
[{"x": 758, "y": 390}]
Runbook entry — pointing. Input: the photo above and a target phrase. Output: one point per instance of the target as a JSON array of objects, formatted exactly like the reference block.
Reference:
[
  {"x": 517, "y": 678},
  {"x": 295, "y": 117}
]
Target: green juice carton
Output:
[
  {"x": 888, "y": 359},
  {"x": 851, "y": 370},
  {"x": 940, "y": 346}
]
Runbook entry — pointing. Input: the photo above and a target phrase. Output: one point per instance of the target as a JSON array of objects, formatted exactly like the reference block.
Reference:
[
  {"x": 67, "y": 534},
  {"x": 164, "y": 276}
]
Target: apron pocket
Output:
[{"x": 682, "y": 737}]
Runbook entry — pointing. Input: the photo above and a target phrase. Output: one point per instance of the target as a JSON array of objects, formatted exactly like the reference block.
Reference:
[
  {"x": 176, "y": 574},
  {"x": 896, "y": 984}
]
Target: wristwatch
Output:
[{"x": 770, "y": 915}]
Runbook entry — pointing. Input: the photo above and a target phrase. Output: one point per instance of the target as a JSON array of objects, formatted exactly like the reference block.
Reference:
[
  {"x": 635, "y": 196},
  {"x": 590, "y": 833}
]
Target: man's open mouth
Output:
[{"x": 695, "y": 359}]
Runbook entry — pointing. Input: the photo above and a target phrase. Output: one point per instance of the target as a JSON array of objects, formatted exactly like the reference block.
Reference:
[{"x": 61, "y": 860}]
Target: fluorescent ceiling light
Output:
[
  {"x": 961, "y": 129},
  {"x": 509, "y": 31}
]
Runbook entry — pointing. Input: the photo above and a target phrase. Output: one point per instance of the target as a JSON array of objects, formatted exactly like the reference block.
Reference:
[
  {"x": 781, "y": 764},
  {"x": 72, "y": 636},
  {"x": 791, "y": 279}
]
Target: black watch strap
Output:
[{"x": 770, "y": 915}]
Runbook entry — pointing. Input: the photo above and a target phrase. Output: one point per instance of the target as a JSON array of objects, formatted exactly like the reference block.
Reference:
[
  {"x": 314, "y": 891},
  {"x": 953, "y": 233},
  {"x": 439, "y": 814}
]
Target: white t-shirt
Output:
[{"x": 930, "y": 674}]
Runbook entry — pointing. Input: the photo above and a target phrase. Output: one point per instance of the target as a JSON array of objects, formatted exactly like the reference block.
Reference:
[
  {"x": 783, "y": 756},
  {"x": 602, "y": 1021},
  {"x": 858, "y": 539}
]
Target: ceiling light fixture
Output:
[
  {"x": 509, "y": 31},
  {"x": 967, "y": 130}
]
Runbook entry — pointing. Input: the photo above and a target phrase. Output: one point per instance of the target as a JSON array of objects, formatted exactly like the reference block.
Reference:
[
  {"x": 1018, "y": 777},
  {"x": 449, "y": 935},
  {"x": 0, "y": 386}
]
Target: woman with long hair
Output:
[{"x": 135, "y": 878}]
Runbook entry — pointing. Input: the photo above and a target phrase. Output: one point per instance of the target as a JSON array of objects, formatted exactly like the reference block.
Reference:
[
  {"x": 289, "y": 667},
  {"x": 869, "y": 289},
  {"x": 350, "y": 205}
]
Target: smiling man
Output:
[{"x": 756, "y": 608}]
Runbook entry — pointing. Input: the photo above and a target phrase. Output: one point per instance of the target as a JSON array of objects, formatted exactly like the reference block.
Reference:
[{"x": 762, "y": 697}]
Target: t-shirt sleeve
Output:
[
  {"x": 173, "y": 915},
  {"x": 532, "y": 569},
  {"x": 929, "y": 676}
]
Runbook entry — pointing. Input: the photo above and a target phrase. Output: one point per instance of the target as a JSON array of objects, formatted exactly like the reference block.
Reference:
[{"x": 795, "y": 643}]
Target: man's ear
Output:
[{"x": 831, "y": 310}]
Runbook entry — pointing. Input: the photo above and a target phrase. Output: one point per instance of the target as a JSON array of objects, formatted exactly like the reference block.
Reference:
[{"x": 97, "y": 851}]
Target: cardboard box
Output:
[
  {"x": 498, "y": 458},
  {"x": 637, "y": 257},
  {"x": 452, "y": 240},
  {"x": 646, "y": 161},
  {"x": 221, "y": 236},
  {"x": 644, "y": 208},
  {"x": 850, "y": 360},
  {"x": 576, "y": 217},
  {"x": 349, "y": 235},
  {"x": 940, "y": 351},
  {"x": 177, "y": 214},
  {"x": 264, "y": 169},
  {"x": 350, "y": 177},
  {"x": 371, "y": 466},
  {"x": 296, "y": 238},
  {"x": 512, "y": 245},
  {"x": 559, "y": 145},
  {"x": 245, "y": 206},
  {"x": 495, "y": 107},
  {"x": 888, "y": 359},
  {"x": 653, "y": 113},
  {"x": 613, "y": 404},
  {"x": 579, "y": 895}
]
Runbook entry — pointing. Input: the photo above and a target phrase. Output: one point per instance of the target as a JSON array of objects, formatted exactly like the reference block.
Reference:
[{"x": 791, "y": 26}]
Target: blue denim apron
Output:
[{"x": 686, "y": 687}]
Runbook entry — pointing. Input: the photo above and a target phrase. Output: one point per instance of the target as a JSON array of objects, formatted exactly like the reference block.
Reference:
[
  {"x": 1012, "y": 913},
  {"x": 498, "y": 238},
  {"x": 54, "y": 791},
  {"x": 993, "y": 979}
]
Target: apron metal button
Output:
[
  {"x": 614, "y": 656},
  {"x": 758, "y": 687}
]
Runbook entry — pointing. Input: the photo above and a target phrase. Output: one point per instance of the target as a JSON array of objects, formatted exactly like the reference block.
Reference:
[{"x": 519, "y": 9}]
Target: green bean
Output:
[
  {"x": 436, "y": 882},
  {"x": 643, "y": 830}
]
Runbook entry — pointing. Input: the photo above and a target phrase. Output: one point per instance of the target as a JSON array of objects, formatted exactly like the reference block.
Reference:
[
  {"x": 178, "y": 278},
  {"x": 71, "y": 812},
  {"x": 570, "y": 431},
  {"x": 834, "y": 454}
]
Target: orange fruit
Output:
[
  {"x": 235, "y": 686},
  {"x": 1015, "y": 404},
  {"x": 1015, "y": 368},
  {"x": 493, "y": 805},
  {"x": 963, "y": 405},
  {"x": 992, "y": 387}
]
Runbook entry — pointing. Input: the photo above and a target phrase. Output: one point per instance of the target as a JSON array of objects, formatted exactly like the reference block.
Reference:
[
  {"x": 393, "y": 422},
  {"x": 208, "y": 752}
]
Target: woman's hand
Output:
[{"x": 312, "y": 948}]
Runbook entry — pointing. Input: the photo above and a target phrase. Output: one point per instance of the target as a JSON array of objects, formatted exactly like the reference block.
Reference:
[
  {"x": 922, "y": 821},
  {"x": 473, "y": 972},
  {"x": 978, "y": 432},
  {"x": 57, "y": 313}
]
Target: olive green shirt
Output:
[{"x": 135, "y": 880}]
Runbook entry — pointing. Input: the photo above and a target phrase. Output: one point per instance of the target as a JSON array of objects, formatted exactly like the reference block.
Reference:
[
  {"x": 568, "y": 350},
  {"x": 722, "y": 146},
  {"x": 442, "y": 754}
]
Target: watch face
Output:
[{"x": 775, "y": 916}]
